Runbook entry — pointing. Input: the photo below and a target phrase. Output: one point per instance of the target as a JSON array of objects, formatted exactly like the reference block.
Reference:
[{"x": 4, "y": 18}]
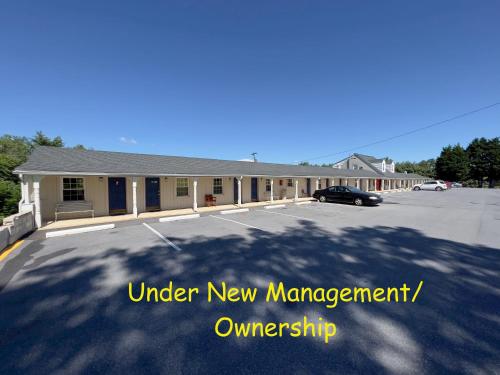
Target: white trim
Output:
[
  {"x": 61, "y": 187},
  {"x": 222, "y": 185},
  {"x": 175, "y": 187},
  {"x": 128, "y": 174},
  {"x": 66, "y": 232}
]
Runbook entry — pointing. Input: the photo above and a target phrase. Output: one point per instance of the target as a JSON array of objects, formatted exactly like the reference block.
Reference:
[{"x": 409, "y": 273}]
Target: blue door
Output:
[
  {"x": 152, "y": 194},
  {"x": 308, "y": 187},
  {"x": 255, "y": 186},
  {"x": 117, "y": 192},
  {"x": 235, "y": 190}
]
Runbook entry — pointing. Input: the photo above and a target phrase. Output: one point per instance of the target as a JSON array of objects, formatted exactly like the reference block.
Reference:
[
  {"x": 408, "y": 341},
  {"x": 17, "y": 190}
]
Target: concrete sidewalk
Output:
[{"x": 69, "y": 223}]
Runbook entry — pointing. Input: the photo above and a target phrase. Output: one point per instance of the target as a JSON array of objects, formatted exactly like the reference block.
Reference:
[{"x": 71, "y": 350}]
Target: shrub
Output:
[{"x": 10, "y": 195}]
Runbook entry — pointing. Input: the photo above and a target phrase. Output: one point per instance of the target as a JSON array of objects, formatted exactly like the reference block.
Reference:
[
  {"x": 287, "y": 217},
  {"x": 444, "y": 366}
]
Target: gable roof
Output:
[
  {"x": 369, "y": 160},
  {"x": 373, "y": 159},
  {"x": 46, "y": 160}
]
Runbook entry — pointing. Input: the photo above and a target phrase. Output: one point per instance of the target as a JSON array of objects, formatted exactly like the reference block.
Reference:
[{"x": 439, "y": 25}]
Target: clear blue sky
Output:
[{"x": 287, "y": 79}]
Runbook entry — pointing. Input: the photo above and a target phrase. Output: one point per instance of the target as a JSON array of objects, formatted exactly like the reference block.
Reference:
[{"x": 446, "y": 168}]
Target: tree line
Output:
[
  {"x": 475, "y": 165},
  {"x": 14, "y": 151}
]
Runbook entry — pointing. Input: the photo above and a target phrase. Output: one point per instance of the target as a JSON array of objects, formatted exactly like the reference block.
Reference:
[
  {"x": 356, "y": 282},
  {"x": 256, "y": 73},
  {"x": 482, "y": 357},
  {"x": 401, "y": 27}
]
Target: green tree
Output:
[
  {"x": 13, "y": 152},
  {"x": 423, "y": 168},
  {"x": 453, "y": 164},
  {"x": 41, "y": 139},
  {"x": 493, "y": 159},
  {"x": 10, "y": 195},
  {"x": 478, "y": 159}
]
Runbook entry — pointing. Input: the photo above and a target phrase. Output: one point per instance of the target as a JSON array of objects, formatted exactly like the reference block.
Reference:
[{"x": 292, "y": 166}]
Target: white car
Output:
[{"x": 436, "y": 185}]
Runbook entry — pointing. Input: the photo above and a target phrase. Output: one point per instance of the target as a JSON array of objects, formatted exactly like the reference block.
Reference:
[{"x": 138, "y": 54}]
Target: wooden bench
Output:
[{"x": 74, "y": 207}]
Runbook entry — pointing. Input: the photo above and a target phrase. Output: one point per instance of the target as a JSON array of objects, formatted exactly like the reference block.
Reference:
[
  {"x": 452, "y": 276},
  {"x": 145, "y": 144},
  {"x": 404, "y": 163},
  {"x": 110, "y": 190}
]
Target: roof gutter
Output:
[{"x": 66, "y": 173}]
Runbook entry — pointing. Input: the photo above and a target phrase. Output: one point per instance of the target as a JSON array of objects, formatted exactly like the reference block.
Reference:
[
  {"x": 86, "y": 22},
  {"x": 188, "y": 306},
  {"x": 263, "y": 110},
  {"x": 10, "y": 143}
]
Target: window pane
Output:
[
  {"x": 268, "y": 184},
  {"x": 217, "y": 186},
  {"x": 182, "y": 187},
  {"x": 73, "y": 189}
]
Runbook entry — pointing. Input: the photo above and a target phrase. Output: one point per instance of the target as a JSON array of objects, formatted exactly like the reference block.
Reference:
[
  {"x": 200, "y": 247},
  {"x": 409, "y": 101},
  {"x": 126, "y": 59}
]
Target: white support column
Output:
[
  {"x": 358, "y": 183},
  {"x": 23, "y": 190},
  {"x": 26, "y": 188},
  {"x": 195, "y": 195},
  {"x": 36, "y": 198},
  {"x": 272, "y": 189},
  {"x": 134, "y": 196},
  {"x": 296, "y": 198},
  {"x": 239, "y": 190},
  {"x": 317, "y": 183}
]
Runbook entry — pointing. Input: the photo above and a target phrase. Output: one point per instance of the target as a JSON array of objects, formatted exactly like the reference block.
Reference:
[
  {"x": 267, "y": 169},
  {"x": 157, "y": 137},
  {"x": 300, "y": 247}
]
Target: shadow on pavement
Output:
[{"x": 74, "y": 316}]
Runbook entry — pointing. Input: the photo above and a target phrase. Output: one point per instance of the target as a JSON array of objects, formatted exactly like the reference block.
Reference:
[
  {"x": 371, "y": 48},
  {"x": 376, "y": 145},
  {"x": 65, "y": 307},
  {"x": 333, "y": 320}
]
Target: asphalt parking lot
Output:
[{"x": 65, "y": 305}]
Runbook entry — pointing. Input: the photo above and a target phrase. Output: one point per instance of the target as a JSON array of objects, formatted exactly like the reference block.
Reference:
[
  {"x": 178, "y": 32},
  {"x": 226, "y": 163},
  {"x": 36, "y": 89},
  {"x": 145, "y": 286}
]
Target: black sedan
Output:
[{"x": 347, "y": 194}]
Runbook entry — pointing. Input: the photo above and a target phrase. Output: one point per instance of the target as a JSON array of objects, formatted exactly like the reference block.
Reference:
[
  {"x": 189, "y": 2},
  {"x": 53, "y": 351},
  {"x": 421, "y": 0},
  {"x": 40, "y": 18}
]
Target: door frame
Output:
[
  {"x": 152, "y": 208},
  {"x": 120, "y": 211},
  {"x": 256, "y": 199},
  {"x": 235, "y": 190}
]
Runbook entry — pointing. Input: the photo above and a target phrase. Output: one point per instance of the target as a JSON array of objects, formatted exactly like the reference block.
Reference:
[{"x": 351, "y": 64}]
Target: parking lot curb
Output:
[
  {"x": 66, "y": 232},
  {"x": 227, "y": 212},
  {"x": 179, "y": 217},
  {"x": 270, "y": 207},
  {"x": 301, "y": 203}
]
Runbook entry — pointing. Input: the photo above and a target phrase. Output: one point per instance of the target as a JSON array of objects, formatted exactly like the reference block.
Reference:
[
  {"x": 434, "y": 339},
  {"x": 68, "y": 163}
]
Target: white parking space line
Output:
[
  {"x": 280, "y": 213},
  {"x": 237, "y": 222},
  {"x": 162, "y": 237}
]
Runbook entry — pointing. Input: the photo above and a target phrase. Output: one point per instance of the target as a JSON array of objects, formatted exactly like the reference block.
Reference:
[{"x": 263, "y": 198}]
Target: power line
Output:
[{"x": 407, "y": 133}]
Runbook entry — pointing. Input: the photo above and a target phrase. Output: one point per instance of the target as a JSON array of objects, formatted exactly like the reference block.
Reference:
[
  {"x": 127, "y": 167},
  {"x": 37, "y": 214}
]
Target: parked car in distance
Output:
[
  {"x": 436, "y": 185},
  {"x": 347, "y": 194},
  {"x": 456, "y": 185}
]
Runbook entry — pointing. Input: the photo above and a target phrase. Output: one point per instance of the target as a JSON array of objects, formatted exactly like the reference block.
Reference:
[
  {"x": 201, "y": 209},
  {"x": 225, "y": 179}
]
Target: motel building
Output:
[{"x": 65, "y": 183}]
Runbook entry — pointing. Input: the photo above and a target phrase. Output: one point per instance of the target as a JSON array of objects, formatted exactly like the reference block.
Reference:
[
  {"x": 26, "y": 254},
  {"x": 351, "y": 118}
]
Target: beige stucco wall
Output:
[
  {"x": 96, "y": 191},
  {"x": 246, "y": 190},
  {"x": 49, "y": 196}
]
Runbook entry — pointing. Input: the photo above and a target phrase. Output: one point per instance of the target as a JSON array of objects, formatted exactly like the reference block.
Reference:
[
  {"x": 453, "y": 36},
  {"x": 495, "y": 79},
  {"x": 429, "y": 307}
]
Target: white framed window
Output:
[
  {"x": 217, "y": 186},
  {"x": 182, "y": 188},
  {"x": 268, "y": 184},
  {"x": 290, "y": 182},
  {"x": 73, "y": 189}
]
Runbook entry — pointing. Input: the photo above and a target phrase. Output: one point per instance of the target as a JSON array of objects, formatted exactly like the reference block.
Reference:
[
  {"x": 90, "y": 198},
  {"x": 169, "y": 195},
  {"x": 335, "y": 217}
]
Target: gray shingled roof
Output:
[{"x": 55, "y": 160}]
